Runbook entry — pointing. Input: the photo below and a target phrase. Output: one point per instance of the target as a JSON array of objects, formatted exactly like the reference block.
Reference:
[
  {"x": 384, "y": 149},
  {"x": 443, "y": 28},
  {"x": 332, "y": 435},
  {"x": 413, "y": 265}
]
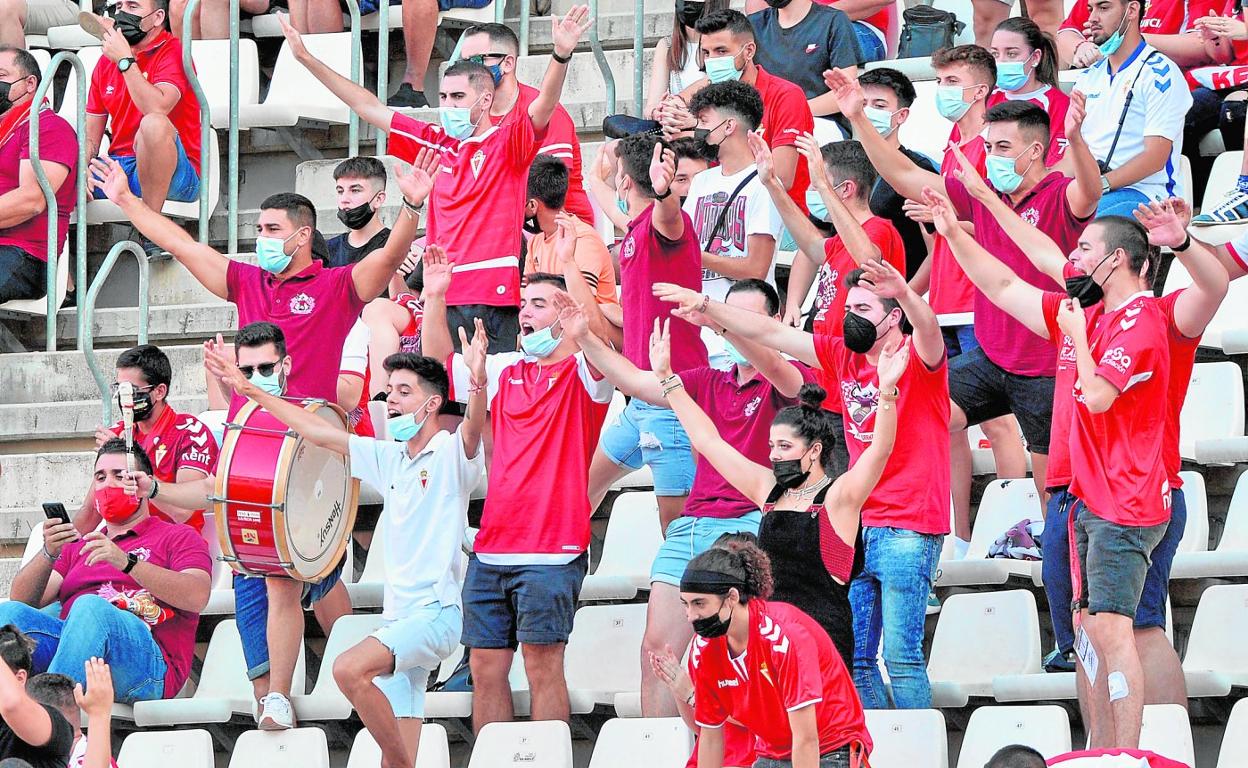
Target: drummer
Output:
[{"x": 269, "y": 611}]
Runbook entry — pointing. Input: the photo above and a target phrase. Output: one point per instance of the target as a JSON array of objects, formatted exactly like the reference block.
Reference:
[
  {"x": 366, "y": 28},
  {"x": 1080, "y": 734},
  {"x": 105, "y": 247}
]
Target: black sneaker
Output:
[
  {"x": 1059, "y": 662},
  {"x": 154, "y": 252},
  {"x": 71, "y": 299},
  {"x": 407, "y": 97}
]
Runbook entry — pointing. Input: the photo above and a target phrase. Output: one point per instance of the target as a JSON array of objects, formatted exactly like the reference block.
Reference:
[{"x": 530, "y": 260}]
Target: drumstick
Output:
[{"x": 125, "y": 393}]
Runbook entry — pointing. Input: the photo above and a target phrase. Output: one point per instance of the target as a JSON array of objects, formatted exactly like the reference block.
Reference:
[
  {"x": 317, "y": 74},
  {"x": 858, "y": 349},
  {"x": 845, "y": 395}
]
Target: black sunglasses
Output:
[
  {"x": 265, "y": 369},
  {"x": 481, "y": 57}
]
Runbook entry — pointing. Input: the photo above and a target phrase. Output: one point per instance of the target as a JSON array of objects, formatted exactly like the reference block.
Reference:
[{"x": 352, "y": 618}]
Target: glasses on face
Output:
[
  {"x": 481, "y": 57},
  {"x": 117, "y": 385},
  {"x": 264, "y": 369}
]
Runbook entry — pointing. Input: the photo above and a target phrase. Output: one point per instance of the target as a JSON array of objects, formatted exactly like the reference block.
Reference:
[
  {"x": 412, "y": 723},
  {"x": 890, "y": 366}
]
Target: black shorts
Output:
[
  {"x": 984, "y": 390},
  {"x": 502, "y": 324}
]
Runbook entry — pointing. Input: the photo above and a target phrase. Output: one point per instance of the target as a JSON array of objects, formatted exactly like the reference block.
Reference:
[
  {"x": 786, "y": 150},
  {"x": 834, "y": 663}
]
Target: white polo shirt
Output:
[
  {"x": 1158, "y": 108},
  {"x": 425, "y": 514}
]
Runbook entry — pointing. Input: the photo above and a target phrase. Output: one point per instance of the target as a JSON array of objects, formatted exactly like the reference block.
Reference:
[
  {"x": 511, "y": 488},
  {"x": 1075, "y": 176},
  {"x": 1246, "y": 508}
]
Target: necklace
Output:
[{"x": 809, "y": 491}]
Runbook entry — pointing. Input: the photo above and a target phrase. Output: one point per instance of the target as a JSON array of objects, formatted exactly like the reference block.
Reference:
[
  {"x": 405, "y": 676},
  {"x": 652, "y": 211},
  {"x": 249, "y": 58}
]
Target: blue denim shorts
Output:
[
  {"x": 985, "y": 390},
  {"x": 1113, "y": 561},
  {"x": 183, "y": 186},
  {"x": 1120, "y": 202},
  {"x": 419, "y": 642},
  {"x": 869, "y": 42},
  {"x": 688, "y": 537},
  {"x": 647, "y": 434},
  {"x": 251, "y": 611},
  {"x": 837, "y": 758},
  {"x": 959, "y": 339},
  {"x": 509, "y": 604}
]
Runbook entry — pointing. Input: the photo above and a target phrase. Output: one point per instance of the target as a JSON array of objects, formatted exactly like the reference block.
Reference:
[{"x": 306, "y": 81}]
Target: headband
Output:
[{"x": 709, "y": 582}]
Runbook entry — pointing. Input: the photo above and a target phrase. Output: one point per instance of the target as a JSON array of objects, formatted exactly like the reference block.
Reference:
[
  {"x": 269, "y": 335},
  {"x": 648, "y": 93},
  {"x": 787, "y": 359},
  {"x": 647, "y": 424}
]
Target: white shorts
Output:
[{"x": 419, "y": 642}]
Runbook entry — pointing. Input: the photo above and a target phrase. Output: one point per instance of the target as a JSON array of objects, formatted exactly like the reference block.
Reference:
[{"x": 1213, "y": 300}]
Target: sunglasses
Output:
[
  {"x": 481, "y": 57},
  {"x": 264, "y": 369}
]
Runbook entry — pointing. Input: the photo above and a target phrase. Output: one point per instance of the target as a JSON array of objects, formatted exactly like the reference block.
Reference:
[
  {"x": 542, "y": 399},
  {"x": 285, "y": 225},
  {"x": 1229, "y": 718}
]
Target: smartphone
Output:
[{"x": 55, "y": 510}]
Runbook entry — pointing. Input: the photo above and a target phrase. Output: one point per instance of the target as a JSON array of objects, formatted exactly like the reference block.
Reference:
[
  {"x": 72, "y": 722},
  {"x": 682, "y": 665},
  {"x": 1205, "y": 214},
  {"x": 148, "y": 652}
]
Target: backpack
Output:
[{"x": 927, "y": 30}]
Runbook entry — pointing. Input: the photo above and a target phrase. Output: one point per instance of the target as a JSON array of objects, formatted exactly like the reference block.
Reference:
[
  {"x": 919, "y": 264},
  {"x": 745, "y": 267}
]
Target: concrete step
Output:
[
  {"x": 615, "y": 30},
  {"x": 182, "y": 323},
  {"x": 61, "y": 377},
  {"x": 169, "y": 283},
  {"x": 76, "y": 418},
  {"x": 28, "y": 480}
]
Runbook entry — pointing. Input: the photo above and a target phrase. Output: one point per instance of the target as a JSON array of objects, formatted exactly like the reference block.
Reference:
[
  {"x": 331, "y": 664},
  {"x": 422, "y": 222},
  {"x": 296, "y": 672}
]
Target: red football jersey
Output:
[
  {"x": 1182, "y": 360},
  {"x": 1051, "y": 100},
  {"x": 786, "y": 115},
  {"x": 837, "y": 263},
  {"x": 789, "y": 663},
  {"x": 949, "y": 290},
  {"x": 1117, "y": 457},
  {"x": 1058, "y": 473},
  {"x": 177, "y": 441},
  {"x": 1161, "y": 17}
]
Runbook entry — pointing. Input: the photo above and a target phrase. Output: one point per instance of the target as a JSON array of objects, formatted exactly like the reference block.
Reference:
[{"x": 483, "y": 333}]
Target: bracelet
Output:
[
  {"x": 689, "y": 700},
  {"x": 663, "y": 196},
  {"x": 51, "y": 558},
  {"x": 706, "y": 301},
  {"x": 1187, "y": 243},
  {"x": 561, "y": 59},
  {"x": 474, "y": 387},
  {"x": 155, "y": 489},
  {"x": 409, "y": 206},
  {"x": 668, "y": 380},
  {"x": 668, "y": 390},
  {"x": 890, "y": 397}
]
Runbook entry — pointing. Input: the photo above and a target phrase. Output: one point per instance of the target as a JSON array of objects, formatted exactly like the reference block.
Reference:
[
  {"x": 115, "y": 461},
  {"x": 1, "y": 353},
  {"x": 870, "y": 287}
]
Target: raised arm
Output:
[
  {"x": 856, "y": 240},
  {"x": 998, "y": 282},
  {"x": 373, "y": 272},
  {"x": 579, "y": 291},
  {"x": 853, "y": 487},
  {"x": 207, "y": 265},
  {"x": 808, "y": 239},
  {"x": 767, "y": 331},
  {"x": 475, "y": 353},
  {"x": 435, "y": 334},
  {"x": 359, "y": 99},
  {"x": 1167, "y": 228},
  {"x": 619, "y": 370},
  {"x": 752, "y": 480},
  {"x": 604, "y": 194},
  {"x": 1084, "y": 194},
  {"x": 565, "y": 33},
  {"x": 192, "y": 495},
  {"x": 886, "y": 282},
  {"x": 668, "y": 220},
  {"x": 897, "y": 169},
  {"x": 97, "y": 703}
]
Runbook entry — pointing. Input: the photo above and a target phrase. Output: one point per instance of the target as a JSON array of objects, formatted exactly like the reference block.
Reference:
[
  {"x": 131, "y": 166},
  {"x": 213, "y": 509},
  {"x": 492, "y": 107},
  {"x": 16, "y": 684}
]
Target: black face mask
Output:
[
  {"x": 778, "y": 4},
  {"x": 357, "y": 217},
  {"x": 859, "y": 333},
  {"x": 531, "y": 226},
  {"x": 5, "y": 102},
  {"x": 129, "y": 25},
  {"x": 143, "y": 405},
  {"x": 712, "y": 626},
  {"x": 703, "y": 134},
  {"x": 1084, "y": 288},
  {"x": 688, "y": 12},
  {"x": 789, "y": 473}
]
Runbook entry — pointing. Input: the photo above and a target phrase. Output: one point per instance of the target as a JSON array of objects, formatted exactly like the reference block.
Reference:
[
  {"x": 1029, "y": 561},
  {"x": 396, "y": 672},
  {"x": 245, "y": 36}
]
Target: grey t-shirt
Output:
[{"x": 825, "y": 39}]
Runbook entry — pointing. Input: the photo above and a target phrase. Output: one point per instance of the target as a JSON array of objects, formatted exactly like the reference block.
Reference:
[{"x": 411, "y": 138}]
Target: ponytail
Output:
[
  {"x": 812, "y": 422},
  {"x": 1037, "y": 39}
]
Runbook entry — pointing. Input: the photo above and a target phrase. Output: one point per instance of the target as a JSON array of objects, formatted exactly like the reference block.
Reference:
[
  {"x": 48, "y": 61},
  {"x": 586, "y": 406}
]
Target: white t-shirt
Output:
[
  {"x": 1158, "y": 108},
  {"x": 424, "y": 517},
  {"x": 753, "y": 213}
]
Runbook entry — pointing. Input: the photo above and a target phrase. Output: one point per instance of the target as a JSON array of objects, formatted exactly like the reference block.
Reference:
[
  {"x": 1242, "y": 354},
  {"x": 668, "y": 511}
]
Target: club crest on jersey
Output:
[
  {"x": 302, "y": 304},
  {"x": 161, "y": 451},
  {"x": 752, "y": 406},
  {"x": 1031, "y": 216},
  {"x": 630, "y": 248},
  {"x": 424, "y": 479},
  {"x": 478, "y": 160}
]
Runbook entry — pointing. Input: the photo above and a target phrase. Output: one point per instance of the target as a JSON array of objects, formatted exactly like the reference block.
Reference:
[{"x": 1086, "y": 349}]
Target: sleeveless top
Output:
[
  {"x": 679, "y": 80},
  {"x": 805, "y": 552}
]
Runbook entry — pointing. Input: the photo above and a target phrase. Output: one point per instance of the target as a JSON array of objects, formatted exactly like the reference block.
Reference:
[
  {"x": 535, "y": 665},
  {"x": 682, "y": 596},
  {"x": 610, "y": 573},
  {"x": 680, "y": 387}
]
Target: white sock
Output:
[{"x": 960, "y": 546}]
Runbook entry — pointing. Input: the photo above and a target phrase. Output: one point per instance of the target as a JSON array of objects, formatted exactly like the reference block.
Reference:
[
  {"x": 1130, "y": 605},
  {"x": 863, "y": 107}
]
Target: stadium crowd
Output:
[{"x": 1010, "y": 283}]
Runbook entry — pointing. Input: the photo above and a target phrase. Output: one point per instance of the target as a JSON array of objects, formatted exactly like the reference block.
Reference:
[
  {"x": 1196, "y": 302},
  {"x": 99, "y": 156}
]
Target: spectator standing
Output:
[
  {"x": 477, "y": 204},
  {"x": 1134, "y": 131},
  {"x": 140, "y": 94},
  {"x": 360, "y": 183},
  {"x": 129, "y": 593},
  {"x": 23, "y": 208},
  {"x": 530, "y": 557},
  {"x": 1027, "y": 71},
  {"x": 29, "y": 730}
]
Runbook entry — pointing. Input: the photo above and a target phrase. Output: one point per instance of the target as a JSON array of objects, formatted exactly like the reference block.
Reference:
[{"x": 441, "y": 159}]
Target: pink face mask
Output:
[{"x": 114, "y": 504}]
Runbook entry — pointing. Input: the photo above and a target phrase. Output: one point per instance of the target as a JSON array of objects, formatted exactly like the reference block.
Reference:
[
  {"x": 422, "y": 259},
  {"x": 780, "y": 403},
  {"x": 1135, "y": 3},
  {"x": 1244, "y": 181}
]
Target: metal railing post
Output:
[
  {"x": 231, "y": 175},
  {"x": 600, "y": 56},
  {"x": 49, "y": 195},
  {"x": 639, "y": 29},
  {"x": 205, "y": 118},
  {"x": 526, "y": 9},
  {"x": 357, "y": 76},
  {"x": 383, "y": 66},
  {"x": 500, "y": 11},
  {"x": 88, "y": 334}
]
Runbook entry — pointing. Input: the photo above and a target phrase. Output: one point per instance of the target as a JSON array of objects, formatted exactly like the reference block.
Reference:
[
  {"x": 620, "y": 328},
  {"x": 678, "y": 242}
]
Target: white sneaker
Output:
[
  {"x": 276, "y": 713},
  {"x": 1231, "y": 209}
]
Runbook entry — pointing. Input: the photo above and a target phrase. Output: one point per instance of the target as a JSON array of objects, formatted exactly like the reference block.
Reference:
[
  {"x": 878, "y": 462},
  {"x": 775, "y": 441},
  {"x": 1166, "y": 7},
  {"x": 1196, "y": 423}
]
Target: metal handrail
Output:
[
  {"x": 205, "y": 119},
  {"x": 49, "y": 194},
  {"x": 383, "y": 66},
  {"x": 353, "y": 122},
  {"x": 231, "y": 175},
  {"x": 87, "y": 334},
  {"x": 600, "y": 56},
  {"x": 526, "y": 8},
  {"x": 639, "y": 29}
]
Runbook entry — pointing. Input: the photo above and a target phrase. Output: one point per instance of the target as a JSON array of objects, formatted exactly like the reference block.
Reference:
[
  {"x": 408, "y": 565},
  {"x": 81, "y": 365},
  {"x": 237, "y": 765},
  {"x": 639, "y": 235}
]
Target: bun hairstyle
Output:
[
  {"x": 735, "y": 564},
  {"x": 812, "y": 422}
]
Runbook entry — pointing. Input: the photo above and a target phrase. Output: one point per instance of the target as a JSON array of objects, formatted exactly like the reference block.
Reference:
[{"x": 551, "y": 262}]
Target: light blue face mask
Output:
[
  {"x": 405, "y": 426},
  {"x": 734, "y": 354},
  {"x": 814, "y": 204},
  {"x": 1002, "y": 173},
  {"x": 1012, "y": 75},
  {"x": 456, "y": 121},
  {"x": 539, "y": 343},
  {"x": 1114, "y": 42},
  {"x": 271, "y": 384},
  {"x": 881, "y": 119},
  {"x": 722, "y": 68},
  {"x": 621, "y": 204},
  {"x": 949, "y": 101},
  {"x": 271, "y": 253}
]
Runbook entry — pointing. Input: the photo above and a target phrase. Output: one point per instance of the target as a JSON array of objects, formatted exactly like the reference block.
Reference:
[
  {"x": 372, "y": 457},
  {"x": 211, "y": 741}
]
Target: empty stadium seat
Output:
[
  {"x": 537, "y": 744},
  {"x": 303, "y": 747},
  {"x": 1043, "y": 728},
  {"x": 325, "y": 701},
  {"x": 215, "y": 79},
  {"x": 1235, "y": 738},
  {"x": 294, "y": 94},
  {"x": 223, "y": 689},
  {"x": 978, "y": 637},
  {"x": 1196, "y": 533},
  {"x": 657, "y": 742},
  {"x": 221, "y": 600},
  {"x": 161, "y": 749},
  {"x": 1214, "y": 408},
  {"x": 1168, "y": 732},
  {"x": 1228, "y": 331},
  {"x": 1005, "y": 503},
  {"x": 908, "y": 738},
  {"x": 1230, "y": 557},
  {"x": 369, "y": 590},
  {"x": 632, "y": 541},
  {"x": 1216, "y": 658},
  {"x": 433, "y": 752}
]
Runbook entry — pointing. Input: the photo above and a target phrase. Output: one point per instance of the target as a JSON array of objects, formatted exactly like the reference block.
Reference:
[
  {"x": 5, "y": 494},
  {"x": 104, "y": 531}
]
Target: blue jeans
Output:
[
  {"x": 959, "y": 339},
  {"x": 94, "y": 627},
  {"x": 889, "y": 597},
  {"x": 869, "y": 42},
  {"x": 1055, "y": 568},
  {"x": 22, "y": 276},
  {"x": 1120, "y": 202},
  {"x": 251, "y": 611}
]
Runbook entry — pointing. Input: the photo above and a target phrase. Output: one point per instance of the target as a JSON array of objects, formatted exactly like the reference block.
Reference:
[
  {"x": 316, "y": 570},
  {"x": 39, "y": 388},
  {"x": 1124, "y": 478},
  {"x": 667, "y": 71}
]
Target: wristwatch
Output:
[
  {"x": 1104, "y": 184},
  {"x": 125, "y": 64},
  {"x": 131, "y": 561}
]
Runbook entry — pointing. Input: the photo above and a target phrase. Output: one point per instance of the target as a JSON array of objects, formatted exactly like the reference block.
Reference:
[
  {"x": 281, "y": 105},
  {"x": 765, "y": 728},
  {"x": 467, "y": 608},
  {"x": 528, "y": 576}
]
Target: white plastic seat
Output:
[
  {"x": 1230, "y": 558},
  {"x": 1168, "y": 732},
  {"x": 1044, "y": 728},
  {"x": 536, "y": 744},
  {"x": 1216, "y": 658},
  {"x": 215, "y": 79},
  {"x": 325, "y": 701},
  {"x": 433, "y": 752},
  {"x": 303, "y": 747},
  {"x": 655, "y": 742},
  {"x": 979, "y": 636},
  {"x": 161, "y": 749},
  {"x": 369, "y": 590},
  {"x": 106, "y": 211},
  {"x": 1214, "y": 408},
  {"x": 1186, "y": 184},
  {"x": 89, "y": 58},
  {"x": 1235, "y": 737},
  {"x": 1005, "y": 503},
  {"x": 1228, "y": 331},
  {"x": 294, "y": 94},
  {"x": 221, "y": 600},
  {"x": 603, "y": 657},
  {"x": 633, "y": 539},
  {"x": 1196, "y": 533},
  {"x": 223, "y": 689},
  {"x": 908, "y": 738},
  {"x": 34, "y": 543}
]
